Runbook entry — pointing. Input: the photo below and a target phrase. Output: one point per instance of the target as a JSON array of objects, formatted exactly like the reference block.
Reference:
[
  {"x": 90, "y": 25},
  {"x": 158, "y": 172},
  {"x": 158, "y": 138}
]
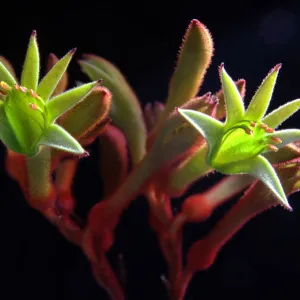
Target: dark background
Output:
[{"x": 142, "y": 39}]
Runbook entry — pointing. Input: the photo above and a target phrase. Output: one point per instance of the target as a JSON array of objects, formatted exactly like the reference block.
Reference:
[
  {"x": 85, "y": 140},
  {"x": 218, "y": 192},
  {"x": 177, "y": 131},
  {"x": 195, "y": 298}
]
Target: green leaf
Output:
[
  {"x": 6, "y": 76},
  {"x": 63, "y": 102},
  {"x": 260, "y": 168},
  {"x": 124, "y": 103},
  {"x": 287, "y": 136},
  {"x": 85, "y": 115},
  {"x": 52, "y": 78},
  {"x": 260, "y": 101},
  {"x": 194, "y": 58},
  {"x": 210, "y": 128},
  {"x": 56, "y": 137},
  {"x": 233, "y": 100},
  {"x": 31, "y": 67},
  {"x": 279, "y": 115}
]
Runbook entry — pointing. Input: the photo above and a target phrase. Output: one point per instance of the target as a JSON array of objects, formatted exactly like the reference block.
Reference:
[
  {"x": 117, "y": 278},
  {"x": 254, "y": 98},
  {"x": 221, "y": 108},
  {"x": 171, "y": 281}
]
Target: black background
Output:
[{"x": 142, "y": 39}]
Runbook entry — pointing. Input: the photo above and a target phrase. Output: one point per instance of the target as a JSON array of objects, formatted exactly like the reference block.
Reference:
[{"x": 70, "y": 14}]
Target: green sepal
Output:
[
  {"x": 87, "y": 114},
  {"x": 56, "y": 137},
  {"x": 63, "y": 102},
  {"x": 31, "y": 67},
  {"x": 210, "y": 128},
  {"x": 233, "y": 101},
  {"x": 261, "y": 100},
  {"x": 7, "y": 64},
  {"x": 279, "y": 115},
  {"x": 6, "y": 76},
  {"x": 52, "y": 78},
  {"x": 260, "y": 168}
]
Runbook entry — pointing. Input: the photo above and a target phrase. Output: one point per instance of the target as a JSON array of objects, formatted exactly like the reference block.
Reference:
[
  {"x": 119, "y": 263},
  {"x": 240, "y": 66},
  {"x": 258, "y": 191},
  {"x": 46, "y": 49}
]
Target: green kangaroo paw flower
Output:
[
  {"x": 63, "y": 102},
  {"x": 279, "y": 115},
  {"x": 52, "y": 78},
  {"x": 236, "y": 146},
  {"x": 210, "y": 128},
  {"x": 261, "y": 100},
  {"x": 6, "y": 76},
  {"x": 233, "y": 100},
  {"x": 31, "y": 68},
  {"x": 56, "y": 137}
]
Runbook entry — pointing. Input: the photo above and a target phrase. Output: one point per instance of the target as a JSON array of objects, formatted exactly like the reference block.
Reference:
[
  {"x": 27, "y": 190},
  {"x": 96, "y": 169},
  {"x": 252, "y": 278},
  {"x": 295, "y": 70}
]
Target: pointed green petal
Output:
[
  {"x": 8, "y": 66},
  {"x": 6, "y": 76},
  {"x": 287, "y": 136},
  {"x": 58, "y": 138},
  {"x": 31, "y": 67},
  {"x": 233, "y": 100},
  {"x": 221, "y": 109},
  {"x": 63, "y": 83},
  {"x": 50, "y": 81},
  {"x": 210, "y": 128},
  {"x": 279, "y": 115},
  {"x": 260, "y": 168},
  {"x": 63, "y": 102},
  {"x": 87, "y": 114},
  {"x": 260, "y": 101}
]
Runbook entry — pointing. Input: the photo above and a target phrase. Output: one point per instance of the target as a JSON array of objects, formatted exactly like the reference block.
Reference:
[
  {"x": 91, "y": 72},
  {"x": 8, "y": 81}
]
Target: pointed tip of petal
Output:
[
  {"x": 285, "y": 204},
  {"x": 277, "y": 67},
  {"x": 85, "y": 154},
  {"x": 33, "y": 34},
  {"x": 221, "y": 68},
  {"x": 98, "y": 82},
  {"x": 72, "y": 51},
  {"x": 288, "y": 208}
]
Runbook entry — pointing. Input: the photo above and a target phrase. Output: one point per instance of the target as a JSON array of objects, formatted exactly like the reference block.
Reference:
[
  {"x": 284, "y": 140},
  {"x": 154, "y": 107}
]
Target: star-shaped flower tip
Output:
[
  {"x": 238, "y": 145},
  {"x": 28, "y": 112}
]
